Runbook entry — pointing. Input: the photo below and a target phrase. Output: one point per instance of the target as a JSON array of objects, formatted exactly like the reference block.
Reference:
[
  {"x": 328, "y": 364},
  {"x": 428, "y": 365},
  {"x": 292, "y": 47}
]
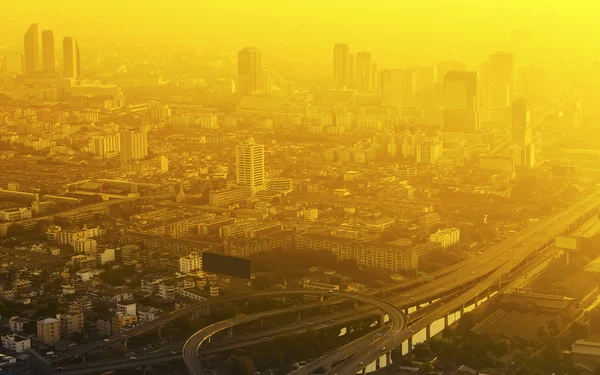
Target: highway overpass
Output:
[{"x": 192, "y": 346}]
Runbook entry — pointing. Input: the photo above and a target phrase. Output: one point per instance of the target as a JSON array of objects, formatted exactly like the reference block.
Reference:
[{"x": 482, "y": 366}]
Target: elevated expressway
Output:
[
  {"x": 192, "y": 346},
  {"x": 497, "y": 264},
  {"x": 527, "y": 242}
]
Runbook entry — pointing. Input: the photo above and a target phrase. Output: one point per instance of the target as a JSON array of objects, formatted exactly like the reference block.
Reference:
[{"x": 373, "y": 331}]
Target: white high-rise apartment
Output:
[
  {"x": 134, "y": 145},
  {"x": 250, "y": 165}
]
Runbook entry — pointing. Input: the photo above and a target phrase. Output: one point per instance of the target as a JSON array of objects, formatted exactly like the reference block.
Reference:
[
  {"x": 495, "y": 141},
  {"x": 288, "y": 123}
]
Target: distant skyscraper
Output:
[
  {"x": 398, "y": 87},
  {"x": 250, "y": 166},
  {"x": 71, "y": 58},
  {"x": 460, "y": 101},
  {"x": 341, "y": 65},
  {"x": 500, "y": 69},
  {"x": 249, "y": 71},
  {"x": 13, "y": 62},
  {"x": 134, "y": 145},
  {"x": 444, "y": 67},
  {"x": 364, "y": 72},
  {"x": 31, "y": 49},
  {"x": 48, "y": 58},
  {"x": 521, "y": 124}
]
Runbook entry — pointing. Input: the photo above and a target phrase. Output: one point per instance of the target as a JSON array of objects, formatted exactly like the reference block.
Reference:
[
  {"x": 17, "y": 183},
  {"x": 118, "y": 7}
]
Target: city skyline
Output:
[{"x": 266, "y": 188}]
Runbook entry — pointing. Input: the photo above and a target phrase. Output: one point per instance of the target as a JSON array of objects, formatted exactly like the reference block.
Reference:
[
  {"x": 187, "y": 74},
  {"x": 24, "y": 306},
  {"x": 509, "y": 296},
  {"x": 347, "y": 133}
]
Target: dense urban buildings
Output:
[{"x": 421, "y": 199}]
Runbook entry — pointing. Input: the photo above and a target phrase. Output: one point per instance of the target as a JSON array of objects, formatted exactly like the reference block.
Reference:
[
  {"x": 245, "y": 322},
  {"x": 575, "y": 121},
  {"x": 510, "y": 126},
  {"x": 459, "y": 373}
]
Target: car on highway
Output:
[
  {"x": 330, "y": 291},
  {"x": 383, "y": 349},
  {"x": 132, "y": 357}
]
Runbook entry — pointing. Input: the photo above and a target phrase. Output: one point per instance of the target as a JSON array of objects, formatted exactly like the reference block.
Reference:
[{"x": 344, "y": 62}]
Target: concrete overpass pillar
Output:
[
  {"x": 499, "y": 283},
  {"x": 378, "y": 363},
  {"x": 230, "y": 332},
  {"x": 381, "y": 318},
  {"x": 298, "y": 317},
  {"x": 409, "y": 346},
  {"x": 428, "y": 332},
  {"x": 477, "y": 300},
  {"x": 445, "y": 320},
  {"x": 160, "y": 332},
  {"x": 364, "y": 371},
  {"x": 489, "y": 293},
  {"x": 355, "y": 304},
  {"x": 462, "y": 310},
  {"x": 388, "y": 358},
  {"x": 125, "y": 344}
]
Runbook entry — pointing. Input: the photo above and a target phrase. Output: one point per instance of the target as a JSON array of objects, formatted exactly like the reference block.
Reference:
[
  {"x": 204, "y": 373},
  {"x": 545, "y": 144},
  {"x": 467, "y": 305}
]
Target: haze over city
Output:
[{"x": 311, "y": 187}]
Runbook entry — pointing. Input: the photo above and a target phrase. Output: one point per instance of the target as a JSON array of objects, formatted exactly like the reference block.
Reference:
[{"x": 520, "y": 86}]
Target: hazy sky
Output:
[{"x": 394, "y": 30}]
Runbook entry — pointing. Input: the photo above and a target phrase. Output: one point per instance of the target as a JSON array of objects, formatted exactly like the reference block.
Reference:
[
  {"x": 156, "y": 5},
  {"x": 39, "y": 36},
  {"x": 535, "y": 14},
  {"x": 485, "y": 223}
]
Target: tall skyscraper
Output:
[
  {"x": 398, "y": 87},
  {"x": 364, "y": 72},
  {"x": 250, "y": 166},
  {"x": 500, "y": 69},
  {"x": 71, "y": 58},
  {"x": 249, "y": 71},
  {"x": 444, "y": 67},
  {"x": 31, "y": 49},
  {"x": 48, "y": 58},
  {"x": 521, "y": 124},
  {"x": 460, "y": 101},
  {"x": 134, "y": 145},
  {"x": 341, "y": 65}
]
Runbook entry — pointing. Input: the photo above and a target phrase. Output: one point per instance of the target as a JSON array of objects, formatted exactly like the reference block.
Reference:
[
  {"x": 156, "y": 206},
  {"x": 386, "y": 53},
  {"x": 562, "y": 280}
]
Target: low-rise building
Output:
[
  {"x": 15, "y": 214},
  {"x": 15, "y": 343},
  {"x": 70, "y": 325},
  {"x": 446, "y": 237},
  {"x": 48, "y": 331},
  {"x": 119, "y": 321},
  {"x": 16, "y": 324}
]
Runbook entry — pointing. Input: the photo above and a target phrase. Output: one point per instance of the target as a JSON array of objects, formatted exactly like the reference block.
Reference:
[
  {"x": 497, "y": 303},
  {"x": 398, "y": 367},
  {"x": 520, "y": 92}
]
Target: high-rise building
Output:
[
  {"x": 341, "y": 65},
  {"x": 500, "y": 69},
  {"x": 249, "y": 71},
  {"x": 364, "y": 72},
  {"x": 48, "y": 331},
  {"x": 250, "y": 166},
  {"x": 524, "y": 155},
  {"x": 134, "y": 145},
  {"x": 71, "y": 58},
  {"x": 48, "y": 58},
  {"x": 428, "y": 152},
  {"x": 31, "y": 49},
  {"x": 13, "y": 62},
  {"x": 460, "y": 101},
  {"x": 521, "y": 124},
  {"x": 444, "y": 67},
  {"x": 398, "y": 87}
]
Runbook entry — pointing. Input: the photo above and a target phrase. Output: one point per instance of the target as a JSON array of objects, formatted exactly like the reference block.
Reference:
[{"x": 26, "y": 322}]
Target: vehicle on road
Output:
[
  {"x": 132, "y": 357},
  {"x": 383, "y": 349}
]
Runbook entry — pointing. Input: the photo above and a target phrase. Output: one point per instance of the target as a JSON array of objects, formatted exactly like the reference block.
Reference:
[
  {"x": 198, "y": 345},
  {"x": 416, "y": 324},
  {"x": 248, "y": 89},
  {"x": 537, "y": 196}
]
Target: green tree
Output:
[
  {"x": 543, "y": 332},
  {"x": 580, "y": 330},
  {"x": 502, "y": 347},
  {"x": 421, "y": 351},
  {"x": 240, "y": 365}
]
